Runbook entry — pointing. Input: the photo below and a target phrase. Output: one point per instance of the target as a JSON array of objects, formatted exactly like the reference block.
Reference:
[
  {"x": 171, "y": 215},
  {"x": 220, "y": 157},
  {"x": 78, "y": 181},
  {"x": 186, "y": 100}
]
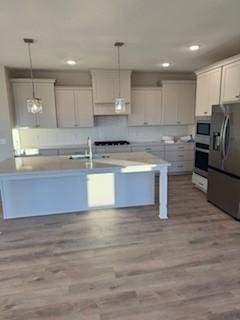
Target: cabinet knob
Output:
[
  {"x": 237, "y": 96},
  {"x": 205, "y": 112},
  {"x": 179, "y": 122}
]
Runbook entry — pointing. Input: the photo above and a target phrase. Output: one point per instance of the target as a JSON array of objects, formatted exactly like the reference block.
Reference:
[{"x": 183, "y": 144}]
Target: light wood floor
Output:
[{"x": 123, "y": 264}]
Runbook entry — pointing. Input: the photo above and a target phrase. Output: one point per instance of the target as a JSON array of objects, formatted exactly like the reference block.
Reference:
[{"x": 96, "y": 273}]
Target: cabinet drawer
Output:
[
  {"x": 48, "y": 152},
  {"x": 186, "y": 146},
  {"x": 158, "y": 154},
  {"x": 66, "y": 151},
  {"x": 147, "y": 148},
  {"x": 200, "y": 182},
  {"x": 179, "y": 155},
  {"x": 113, "y": 149},
  {"x": 181, "y": 166}
]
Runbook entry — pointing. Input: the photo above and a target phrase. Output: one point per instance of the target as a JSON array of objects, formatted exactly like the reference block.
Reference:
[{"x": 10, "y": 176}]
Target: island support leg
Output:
[{"x": 163, "y": 193}]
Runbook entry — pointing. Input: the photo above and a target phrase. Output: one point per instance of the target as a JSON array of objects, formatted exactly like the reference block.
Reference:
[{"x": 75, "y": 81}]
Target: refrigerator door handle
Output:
[
  {"x": 221, "y": 147},
  {"x": 226, "y": 145}
]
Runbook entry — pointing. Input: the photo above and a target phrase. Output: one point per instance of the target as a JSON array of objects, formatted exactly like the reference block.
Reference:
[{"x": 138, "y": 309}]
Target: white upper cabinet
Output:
[
  {"x": 74, "y": 107},
  {"x": 178, "y": 102},
  {"x": 231, "y": 82},
  {"x": 208, "y": 91},
  {"x": 106, "y": 89},
  {"x": 146, "y": 107},
  {"x": 65, "y": 104},
  {"x": 44, "y": 89}
]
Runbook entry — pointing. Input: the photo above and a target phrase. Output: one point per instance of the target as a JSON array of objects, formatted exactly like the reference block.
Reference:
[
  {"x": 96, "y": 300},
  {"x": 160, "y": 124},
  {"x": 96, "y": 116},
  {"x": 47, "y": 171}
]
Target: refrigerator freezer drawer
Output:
[{"x": 224, "y": 192}]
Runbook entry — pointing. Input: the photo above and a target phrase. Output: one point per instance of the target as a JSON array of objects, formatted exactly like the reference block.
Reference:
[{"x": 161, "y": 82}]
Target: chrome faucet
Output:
[{"x": 89, "y": 153}]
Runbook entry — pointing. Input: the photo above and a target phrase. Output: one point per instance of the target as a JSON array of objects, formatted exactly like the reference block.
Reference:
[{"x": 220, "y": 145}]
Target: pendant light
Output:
[
  {"x": 120, "y": 106},
  {"x": 34, "y": 105}
]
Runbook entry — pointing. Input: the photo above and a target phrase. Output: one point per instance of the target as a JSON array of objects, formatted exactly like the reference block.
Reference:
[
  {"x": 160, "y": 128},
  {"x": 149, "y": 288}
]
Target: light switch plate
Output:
[{"x": 2, "y": 141}]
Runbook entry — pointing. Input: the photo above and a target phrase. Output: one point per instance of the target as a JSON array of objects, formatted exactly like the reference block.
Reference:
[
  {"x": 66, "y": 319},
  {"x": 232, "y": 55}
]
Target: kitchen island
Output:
[{"x": 35, "y": 186}]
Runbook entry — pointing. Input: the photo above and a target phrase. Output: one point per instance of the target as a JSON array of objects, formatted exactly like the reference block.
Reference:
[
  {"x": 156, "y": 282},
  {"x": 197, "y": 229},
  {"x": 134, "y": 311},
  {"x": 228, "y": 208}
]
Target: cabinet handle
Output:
[
  {"x": 148, "y": 149},
  {"x": 180, "y": 156},
  {"x": 145, "y": 123},
  {"x": 76, "y": 125},
  {"x": 180, "y": 166},
  {"x": 180, "y": 148},
  {"x": 205, "y": 112},
  {"x": 237, "y": 96},
  {"x": 200, "y": 183}
]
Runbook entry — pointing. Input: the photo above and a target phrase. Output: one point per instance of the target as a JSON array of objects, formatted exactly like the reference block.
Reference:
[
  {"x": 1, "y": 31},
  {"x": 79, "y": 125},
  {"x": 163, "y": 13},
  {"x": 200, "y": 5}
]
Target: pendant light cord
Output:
[
  {"x": 31, "y": 69},
  {"x": 119, "y": 76}
]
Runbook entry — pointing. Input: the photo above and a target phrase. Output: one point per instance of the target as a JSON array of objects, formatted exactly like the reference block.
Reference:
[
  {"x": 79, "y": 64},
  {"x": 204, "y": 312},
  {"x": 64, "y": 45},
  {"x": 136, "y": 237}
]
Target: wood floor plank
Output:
[{"x": 123, "y": 264}]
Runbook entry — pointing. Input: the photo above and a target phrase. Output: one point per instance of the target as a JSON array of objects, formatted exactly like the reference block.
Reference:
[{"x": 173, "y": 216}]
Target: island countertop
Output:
[
  {"x": 35, "y": 186},
  {"x": 60, "y": 164}
]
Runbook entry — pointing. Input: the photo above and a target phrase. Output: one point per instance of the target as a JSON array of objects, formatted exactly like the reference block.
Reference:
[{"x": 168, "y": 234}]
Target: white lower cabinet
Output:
[
  {"x": 180, "y": 156},
  {"x": 200, "y": 182},
  {"x": 74, "y": 107},
  {"x": 181, "y": 167},
  {"x": 112, "y": 149}
]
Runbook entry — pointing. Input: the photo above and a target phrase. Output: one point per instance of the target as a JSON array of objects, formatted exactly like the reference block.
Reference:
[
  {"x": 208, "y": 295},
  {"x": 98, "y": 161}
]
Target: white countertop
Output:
[
  {"x": 134, "y": 161},
  {"x": 76, "y": 146}
]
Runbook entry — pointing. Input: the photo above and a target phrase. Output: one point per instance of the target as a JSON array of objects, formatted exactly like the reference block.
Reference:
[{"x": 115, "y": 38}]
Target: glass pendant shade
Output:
[
  {"x": 34, "y": 105},
  {"x": 120, "y": 105}
]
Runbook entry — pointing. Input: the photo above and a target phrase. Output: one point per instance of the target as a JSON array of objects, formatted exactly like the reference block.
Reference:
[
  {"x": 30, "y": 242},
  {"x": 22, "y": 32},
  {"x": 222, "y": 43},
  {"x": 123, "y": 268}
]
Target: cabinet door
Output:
[
  {"x": 186, "y": 103},
  {"x": 231, "y": 82},
  {"x": 45, "y": 91},
  {"x": 65, "y": 103},
  {"x": 125, "y": 85},
  {"x": 21, "y": 92},
  {"x": 136, "y": 118},
  {"x": 104, "y": 87},
  {"x": 84, "y": 107},
  {"x": 153, "y": 107},
  {"x": 170, "y": 103},
  {"x": 208, "y": 91}
]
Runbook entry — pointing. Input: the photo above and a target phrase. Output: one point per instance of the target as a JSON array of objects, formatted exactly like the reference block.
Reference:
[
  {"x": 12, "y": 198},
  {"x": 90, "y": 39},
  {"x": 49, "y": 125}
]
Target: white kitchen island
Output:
[{"x": 35, "y": 186}]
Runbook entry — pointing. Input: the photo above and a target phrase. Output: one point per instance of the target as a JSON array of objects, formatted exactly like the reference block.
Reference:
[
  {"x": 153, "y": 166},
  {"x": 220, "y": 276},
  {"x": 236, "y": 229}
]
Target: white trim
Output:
[
  {"x": 72, "y": 88},
  {"x": 34, "y": 80}
]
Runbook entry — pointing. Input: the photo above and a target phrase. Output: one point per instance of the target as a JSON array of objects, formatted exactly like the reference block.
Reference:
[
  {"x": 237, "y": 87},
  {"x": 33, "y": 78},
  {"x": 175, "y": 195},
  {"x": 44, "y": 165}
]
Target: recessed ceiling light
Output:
[
  {"x": 71, "y": 62},
  {"x": 194, "y": 47},
  {"x": 166, "y": 64}
]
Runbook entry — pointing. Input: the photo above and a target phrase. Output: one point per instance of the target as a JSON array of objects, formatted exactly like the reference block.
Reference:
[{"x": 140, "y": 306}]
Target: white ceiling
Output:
[{"x": 153, "y": 30}]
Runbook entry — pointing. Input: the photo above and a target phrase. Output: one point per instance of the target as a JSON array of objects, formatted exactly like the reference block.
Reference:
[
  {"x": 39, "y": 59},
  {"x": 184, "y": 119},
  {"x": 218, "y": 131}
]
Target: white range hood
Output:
[{"x": 105, "y": 90}]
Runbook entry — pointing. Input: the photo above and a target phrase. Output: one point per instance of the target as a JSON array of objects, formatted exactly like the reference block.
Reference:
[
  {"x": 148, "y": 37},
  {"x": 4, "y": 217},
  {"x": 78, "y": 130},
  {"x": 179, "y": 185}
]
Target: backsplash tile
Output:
[{"x": 106, "y": 128}]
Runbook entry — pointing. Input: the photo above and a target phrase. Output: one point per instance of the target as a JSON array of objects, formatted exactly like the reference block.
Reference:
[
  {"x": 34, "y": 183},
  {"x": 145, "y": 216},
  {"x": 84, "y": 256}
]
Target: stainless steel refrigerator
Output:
[{"x": 224, "y": 159}]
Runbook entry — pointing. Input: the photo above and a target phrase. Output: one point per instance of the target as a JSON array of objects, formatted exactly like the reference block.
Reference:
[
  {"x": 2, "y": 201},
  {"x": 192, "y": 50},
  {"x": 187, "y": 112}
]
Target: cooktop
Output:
[{"x": 111, "y": 143}]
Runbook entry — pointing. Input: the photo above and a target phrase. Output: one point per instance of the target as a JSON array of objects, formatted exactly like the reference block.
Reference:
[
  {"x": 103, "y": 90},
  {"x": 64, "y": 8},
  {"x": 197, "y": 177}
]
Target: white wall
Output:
[
  {"x": 6, "y": 148},
  {"x": 83, "y": 78}
]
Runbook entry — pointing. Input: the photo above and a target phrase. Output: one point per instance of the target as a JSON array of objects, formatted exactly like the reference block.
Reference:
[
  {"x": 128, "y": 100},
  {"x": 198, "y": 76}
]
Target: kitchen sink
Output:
[{"x": 85, "y": 157}]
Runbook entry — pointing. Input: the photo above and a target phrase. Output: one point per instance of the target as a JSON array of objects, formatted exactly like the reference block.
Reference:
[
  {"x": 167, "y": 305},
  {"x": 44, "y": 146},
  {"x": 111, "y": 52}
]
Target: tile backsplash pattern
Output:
[{"x": 106, "y": 128}]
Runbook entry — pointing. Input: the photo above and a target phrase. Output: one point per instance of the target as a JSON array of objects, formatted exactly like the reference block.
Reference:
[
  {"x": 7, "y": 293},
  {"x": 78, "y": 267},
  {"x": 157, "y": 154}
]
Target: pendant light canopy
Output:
[
  {"x": 34, "y": 105},
  {"x": 120, "y": 105}
]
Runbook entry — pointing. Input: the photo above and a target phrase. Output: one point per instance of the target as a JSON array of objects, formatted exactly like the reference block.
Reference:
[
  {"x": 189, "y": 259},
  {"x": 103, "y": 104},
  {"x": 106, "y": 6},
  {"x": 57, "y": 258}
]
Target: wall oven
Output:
[{"x": 202, "y": 143}]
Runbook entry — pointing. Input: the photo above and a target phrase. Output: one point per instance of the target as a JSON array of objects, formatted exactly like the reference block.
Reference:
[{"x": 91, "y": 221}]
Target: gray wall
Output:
[
  {"x": 6, "y": 148},
  {"x": 83, "y": 78}
]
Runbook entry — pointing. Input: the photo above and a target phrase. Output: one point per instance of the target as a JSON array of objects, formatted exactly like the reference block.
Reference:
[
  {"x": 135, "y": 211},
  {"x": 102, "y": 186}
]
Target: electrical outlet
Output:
[{"x": 2, "y": 141}]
